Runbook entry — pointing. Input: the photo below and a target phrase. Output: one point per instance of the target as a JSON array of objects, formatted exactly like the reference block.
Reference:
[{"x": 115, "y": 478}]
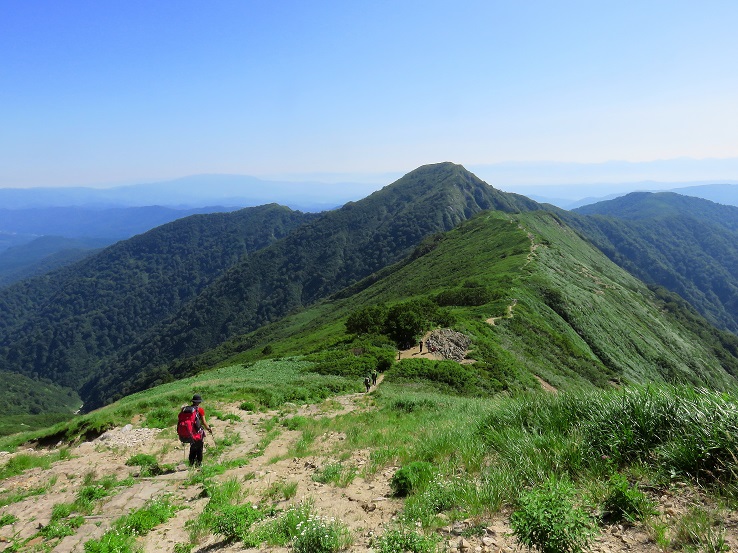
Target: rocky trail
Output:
[{"x": 365, "y": 505}]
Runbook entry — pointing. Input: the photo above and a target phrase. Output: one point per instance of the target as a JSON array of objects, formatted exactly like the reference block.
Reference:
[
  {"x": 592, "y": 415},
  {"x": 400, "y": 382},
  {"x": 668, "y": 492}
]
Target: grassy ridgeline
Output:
[
  {"x": 487, "y": 450},
  {"x": 511, "y": 441},
  {"x": 263, "y": 385},
  {"x": 472, "y": 457}
]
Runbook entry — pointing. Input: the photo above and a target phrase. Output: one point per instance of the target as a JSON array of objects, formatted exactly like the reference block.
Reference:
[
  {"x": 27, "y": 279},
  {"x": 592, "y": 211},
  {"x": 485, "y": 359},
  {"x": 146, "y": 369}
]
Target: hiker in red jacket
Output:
[{"x": 198, "y": 441}]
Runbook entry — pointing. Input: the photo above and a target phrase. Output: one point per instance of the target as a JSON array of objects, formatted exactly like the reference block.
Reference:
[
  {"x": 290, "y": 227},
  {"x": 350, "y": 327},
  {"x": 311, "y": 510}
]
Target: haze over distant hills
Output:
[
  {"x": 569, "y": 185},
  {"x": 161, "y": 305},
  {"x": 194, "y": 191},
  {"x": 81, "y": 219}
]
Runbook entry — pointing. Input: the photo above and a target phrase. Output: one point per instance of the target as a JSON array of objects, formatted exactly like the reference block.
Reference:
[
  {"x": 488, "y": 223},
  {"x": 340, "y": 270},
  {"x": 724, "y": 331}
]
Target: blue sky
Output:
[{"x": 120, "y": 91}]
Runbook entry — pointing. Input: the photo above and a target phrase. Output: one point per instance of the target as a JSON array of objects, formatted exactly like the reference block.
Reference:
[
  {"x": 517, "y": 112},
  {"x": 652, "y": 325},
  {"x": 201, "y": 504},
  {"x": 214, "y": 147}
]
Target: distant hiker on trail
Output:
[
  {"x": 374, "y": 377},
  {"x": 367, "y": 383},
  {"x": 420, "y": 345},
  {"x": 191, "y": 427}
]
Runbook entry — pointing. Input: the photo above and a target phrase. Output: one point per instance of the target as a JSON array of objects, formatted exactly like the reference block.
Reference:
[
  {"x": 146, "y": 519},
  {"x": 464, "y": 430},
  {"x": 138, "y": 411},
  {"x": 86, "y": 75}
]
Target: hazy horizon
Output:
[{"x": 103, "y": 94}]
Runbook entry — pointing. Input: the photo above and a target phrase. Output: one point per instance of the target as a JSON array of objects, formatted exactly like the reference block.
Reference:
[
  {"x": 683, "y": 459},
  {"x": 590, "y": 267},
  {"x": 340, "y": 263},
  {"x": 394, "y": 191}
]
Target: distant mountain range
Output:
[
  {"x": 183, "y": 296},
  {"x": 575, "y": 196},
  {"x": 95, "y": 217},
  {"x": 195, "y": 191}
]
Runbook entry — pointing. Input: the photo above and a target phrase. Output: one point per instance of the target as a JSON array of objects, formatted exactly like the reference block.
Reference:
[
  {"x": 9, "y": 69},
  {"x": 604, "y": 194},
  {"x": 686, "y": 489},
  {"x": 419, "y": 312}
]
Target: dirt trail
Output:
[{"x": 365, "y": 505}]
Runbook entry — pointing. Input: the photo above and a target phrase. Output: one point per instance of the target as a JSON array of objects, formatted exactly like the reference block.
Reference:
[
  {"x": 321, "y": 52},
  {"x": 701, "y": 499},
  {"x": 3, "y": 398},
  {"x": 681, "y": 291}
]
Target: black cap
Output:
[{"x": 197, "y": 398}]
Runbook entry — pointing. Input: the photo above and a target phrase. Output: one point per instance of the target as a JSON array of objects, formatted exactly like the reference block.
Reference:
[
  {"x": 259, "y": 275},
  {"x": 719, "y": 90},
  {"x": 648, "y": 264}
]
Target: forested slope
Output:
[
  {"x": 314, "y": 261},
  {"x": 535, "y": 299},
  {"x": 687, "y": 245},
  {"x": 61, "y": 325}
]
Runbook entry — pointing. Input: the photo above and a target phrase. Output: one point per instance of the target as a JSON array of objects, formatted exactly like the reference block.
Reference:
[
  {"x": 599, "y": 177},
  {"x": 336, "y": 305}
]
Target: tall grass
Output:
[{"x": 678, "y": 430}]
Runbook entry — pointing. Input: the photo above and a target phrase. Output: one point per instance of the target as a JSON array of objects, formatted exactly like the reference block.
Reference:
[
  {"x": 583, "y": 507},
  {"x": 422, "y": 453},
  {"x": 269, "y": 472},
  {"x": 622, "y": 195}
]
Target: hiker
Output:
[
  {"x": 374, "y": 377},
  {"x": 198, "y": 438},
  {"x": 420, "y": 345},
  {"x": 367, "y": 383}
]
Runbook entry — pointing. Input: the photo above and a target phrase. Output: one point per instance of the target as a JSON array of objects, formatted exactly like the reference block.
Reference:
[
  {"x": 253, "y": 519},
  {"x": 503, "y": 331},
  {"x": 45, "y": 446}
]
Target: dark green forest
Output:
[
  {"x": 687, "y": 245},
  {"x": 315, "y": 261},
  {"x": 60, "y": 326},
  {"x": 184, "y": 296}
]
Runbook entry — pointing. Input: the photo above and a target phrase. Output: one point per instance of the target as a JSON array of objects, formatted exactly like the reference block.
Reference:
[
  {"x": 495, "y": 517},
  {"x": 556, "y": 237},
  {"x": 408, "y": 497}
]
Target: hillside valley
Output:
[
  {"x": 79, "y": 340},
  {"x": 687, "y": 245},
  {"x": 524, "y": 376}
]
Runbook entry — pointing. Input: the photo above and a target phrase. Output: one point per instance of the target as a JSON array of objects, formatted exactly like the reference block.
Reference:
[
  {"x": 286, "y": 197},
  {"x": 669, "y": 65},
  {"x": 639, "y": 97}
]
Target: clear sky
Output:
[{"x": 115, "y": 91}]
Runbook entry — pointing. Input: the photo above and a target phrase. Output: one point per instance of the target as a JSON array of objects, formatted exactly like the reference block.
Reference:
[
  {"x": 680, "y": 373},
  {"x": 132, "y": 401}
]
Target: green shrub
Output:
[
  {"x": 233, "y": 522},
  {"x": 367, "y": 320},
  {"x": 448, "y": 376},
  {"x": 149, "y": 465},
  {"x": 411, "y": 478},
  {"x": 248, "y": 406},
  {"x": 548, "y": 520},
  {"x": 321, "y": 535},
  {"x": 467, "y": 296},
  {"x": 403, "y": 540},
  {"x": 624, "y": 501},
  {"x": 141, "y": 460}
]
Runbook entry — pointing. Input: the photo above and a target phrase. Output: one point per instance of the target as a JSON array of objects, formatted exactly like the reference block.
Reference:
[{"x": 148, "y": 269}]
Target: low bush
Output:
[
  {"x": 447, "y": 376},
  {"x": 402, "y": 540},
  {"x": 548, "y": 520},
  {"x": 321, "y": 535},
  {"x": 233, "y": 522},
  {"x": 624, "y": 501},
  {"x": 411, "y": 478},
  {"x": 141, "y": 460}
]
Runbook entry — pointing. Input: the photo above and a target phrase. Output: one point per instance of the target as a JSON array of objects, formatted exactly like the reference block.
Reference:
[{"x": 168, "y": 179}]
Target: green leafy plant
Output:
[
  {"x": 403, "y": 540},
  {"x": 624, "y": 501},
  {"x": 148, "y": 463},
  {"x": 321, "y": 535},
  {"x": 249, "y": 406},
  {"x": 411, "y": 478},
  {"x": 548, "y": 520},
  {"x": 233, "y": 522}
]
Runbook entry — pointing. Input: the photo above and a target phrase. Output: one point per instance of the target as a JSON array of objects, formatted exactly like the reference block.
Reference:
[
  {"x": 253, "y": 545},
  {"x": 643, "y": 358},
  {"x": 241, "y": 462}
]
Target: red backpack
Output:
[{"x": 189, "y": 428}]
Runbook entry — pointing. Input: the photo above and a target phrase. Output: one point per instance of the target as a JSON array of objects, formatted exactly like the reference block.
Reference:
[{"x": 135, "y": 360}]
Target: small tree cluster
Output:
[{"x": 403, "y": 323}]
